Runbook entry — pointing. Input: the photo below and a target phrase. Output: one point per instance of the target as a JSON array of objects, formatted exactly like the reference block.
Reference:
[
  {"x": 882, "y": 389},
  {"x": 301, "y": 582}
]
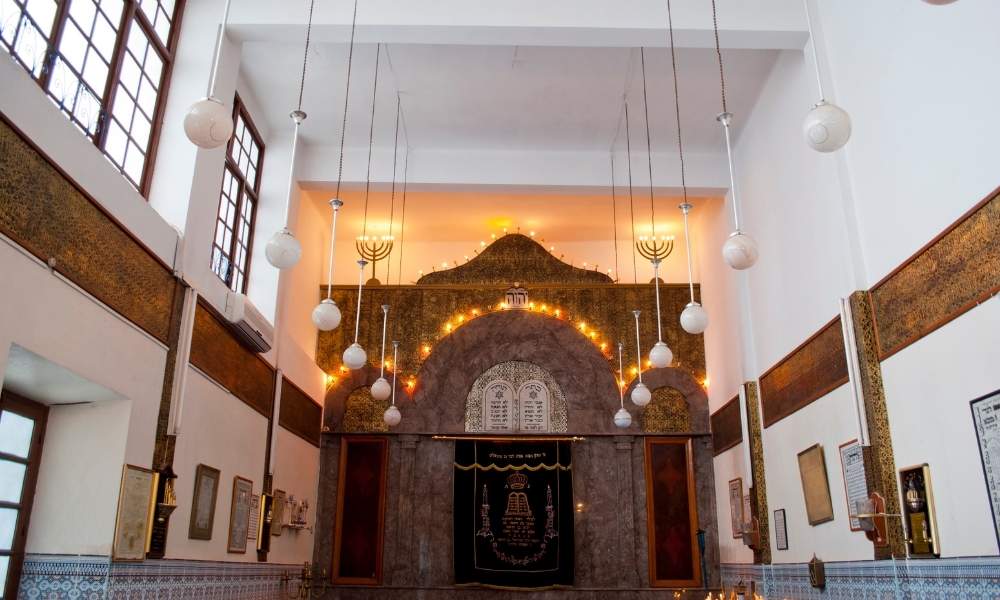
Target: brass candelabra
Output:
[
  {"x": 655, "y": 248},
  {"x": 373, "y": 249},
  {"x": 311, "y": 584}
]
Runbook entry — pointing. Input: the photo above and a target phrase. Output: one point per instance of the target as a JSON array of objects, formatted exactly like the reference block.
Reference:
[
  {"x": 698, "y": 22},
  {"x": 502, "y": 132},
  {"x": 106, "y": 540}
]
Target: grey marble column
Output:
[
  {"x": 627, "y": 548},
  {"x": 404, "y": 570}
]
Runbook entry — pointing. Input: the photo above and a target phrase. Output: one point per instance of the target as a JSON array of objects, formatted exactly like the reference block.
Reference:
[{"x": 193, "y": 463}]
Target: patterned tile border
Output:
[
  {"x": 975, "y": 578},
  {"x": 55, "y": 577}
]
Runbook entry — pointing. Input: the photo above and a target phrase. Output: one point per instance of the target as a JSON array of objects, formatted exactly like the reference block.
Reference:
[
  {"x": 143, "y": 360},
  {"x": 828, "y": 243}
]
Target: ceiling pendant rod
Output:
[
  {"x": 649, "y": 151},
  {"x": 614, "y": 215},
  {"x": 381, "y": 390},
  {"x": 355, "y": 356},
  {"x": 622, "y": 418},
  {"x": 392, "y": 196},
  {"x": 371, "y": 138},
  {"x": 640, "y": 393},
  {"x": 402, "y": 216},
  {"x": 631, "y": 197},
  {"x": 391, "y": 415}
]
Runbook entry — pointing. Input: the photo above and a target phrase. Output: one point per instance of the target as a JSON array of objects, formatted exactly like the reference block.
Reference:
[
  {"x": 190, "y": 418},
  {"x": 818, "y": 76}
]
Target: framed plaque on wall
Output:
[
  {"x": 736, "y": 506},
  {"x": 986, "y": 418},
  {"x": 815, "y": 485},
  {"x": 136, "y": 501}
]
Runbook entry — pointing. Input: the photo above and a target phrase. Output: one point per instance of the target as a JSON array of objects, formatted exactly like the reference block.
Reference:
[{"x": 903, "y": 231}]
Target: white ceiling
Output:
[{"x": 504, "y": 97}]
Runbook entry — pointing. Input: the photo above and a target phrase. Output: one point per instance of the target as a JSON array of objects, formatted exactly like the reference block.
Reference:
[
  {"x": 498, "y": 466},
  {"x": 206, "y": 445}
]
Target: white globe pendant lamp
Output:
[
  {"x": 326, "y": 315},
  {"x": 391, "y": 415},
  {"x": 694, "y": 319},
  {"x": 827, "y": 127},
  {"x": 660, "y": 356},
  {"x": 209, "y": 122},
  {"x": 640, "y": 393},
  {"x": 622, "y": 418},
  {"x": 380, "y": 389},
  {"x": 355, "y": 356}
]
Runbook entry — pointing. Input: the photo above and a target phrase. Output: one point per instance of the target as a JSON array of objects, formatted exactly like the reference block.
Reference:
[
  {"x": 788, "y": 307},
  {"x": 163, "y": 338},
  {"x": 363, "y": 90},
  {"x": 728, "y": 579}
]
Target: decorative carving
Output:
[
  {"x": 667, "y": 412},
  {"x": 364, "y": 414},
  {"x": 514, "y": 257},
  {"x": 758, "y": 492},
  {"x": 814, "y": 369},
  {"x": 727, "y": 429},
  {"x": 299, "y": 413},
  {"x": 502, "y": 380},
  {"x": 950, "y": 275}
]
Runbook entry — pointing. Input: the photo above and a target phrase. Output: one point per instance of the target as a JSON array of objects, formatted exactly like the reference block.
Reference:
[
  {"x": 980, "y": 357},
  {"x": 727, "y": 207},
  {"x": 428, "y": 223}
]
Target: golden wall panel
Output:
[
  {"x": 958, "y": 269},
  {"x": 809, "y": 372},
  {"x": 299, "y": 413},
  {"x": 43, "y": 211},
  {"x": 667, "y": 412},
  {"x": 364, "y": 414},
  {"x": 727, "y": 428},
  {"x": 219, "y": 355},
  {"x": 758, "y": 492}
]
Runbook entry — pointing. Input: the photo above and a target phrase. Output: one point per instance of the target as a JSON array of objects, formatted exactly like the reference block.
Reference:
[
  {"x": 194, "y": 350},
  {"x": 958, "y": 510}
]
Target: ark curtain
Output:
[{"x": 513, "y": 513}]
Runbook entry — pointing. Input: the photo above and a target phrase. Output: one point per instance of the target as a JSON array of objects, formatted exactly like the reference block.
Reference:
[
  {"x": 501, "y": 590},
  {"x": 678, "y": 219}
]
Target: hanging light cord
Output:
[
  {"x": 361, "y": 282},
  {"x": 685, "y": 208},
  {"x": 218, "y": 51},
  {"x": 677, "y": 100},
  {"x": 402, "y": 217},
  {"x": 395, "y": 368},
  {"x": 725, "y": 118},
  {"x": 656, "y": 283},
  {"x": 392, "y": 196},
  {"x": 336, "y": 203},
  {"x": 347, "y": 94},
  {"x": 371, "y": 138},
  {"x": 638, "y": 345},
  {"x": 614, "y": 214},
  {"x": 385, "y": 319},
  {"x": 305, "y": 56},
  {"x": 621, "y": 377},
  {"x": 812, "y": 42},
  {"x": 631, "y": 198},
  {"x": 649, "y": 151}
]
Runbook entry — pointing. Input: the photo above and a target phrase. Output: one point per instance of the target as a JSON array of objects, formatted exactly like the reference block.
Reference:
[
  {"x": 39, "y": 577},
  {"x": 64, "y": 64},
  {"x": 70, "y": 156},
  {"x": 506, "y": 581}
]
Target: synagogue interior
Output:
[{"x": 448, "y": 300}]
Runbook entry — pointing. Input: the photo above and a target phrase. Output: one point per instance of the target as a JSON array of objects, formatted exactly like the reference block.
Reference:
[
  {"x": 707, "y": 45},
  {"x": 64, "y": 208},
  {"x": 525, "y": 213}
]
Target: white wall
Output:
[
  {"x": 297, "y": 473},
  {"x": 728, "y": 466}
]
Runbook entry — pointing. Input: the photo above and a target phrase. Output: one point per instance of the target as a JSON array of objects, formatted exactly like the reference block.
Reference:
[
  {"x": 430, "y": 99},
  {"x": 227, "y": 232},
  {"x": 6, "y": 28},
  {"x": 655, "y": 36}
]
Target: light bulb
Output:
[
  {"x": 326, "y": 315},
  {"x": 208, "y": 123},
  {"x": 355, "y": 357},
  {"x": 740, "y": 251},
  {"x": 392, "y": 416},
  {"x": 660, "y": 356},
  {"x": 622, "y": 418},
  {"x": 283, "y": 251},
  {"x": 827, "y": 127},
  {"x": 381, "y": 390},
  {"x": 939, "y": 2},
  {"x": 640, "y": 394},
  {"x": 694, "y": 319}
]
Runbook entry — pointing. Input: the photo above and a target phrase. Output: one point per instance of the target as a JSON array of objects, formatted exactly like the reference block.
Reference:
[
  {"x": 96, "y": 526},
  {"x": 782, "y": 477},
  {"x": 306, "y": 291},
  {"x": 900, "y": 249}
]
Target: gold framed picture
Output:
[
  {"x": 133, "y": 524},
  {"x": 239, "y": 515},
  {"x": 736, "y": 506},
  {"x": 815, "y": 485},
  {"x": 206, "y": 489},
  {"x": 277, "y": 512}
]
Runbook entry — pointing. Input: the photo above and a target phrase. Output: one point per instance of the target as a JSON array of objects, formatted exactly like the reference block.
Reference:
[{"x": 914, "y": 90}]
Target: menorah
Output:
[
  {"x": 654, "y": 248},
  {"x": 373, "y": 249}
]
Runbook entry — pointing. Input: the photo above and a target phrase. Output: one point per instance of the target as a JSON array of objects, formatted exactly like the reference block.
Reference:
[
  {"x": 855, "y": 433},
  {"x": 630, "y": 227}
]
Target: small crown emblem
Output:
[{"x": 517, "y": 481}]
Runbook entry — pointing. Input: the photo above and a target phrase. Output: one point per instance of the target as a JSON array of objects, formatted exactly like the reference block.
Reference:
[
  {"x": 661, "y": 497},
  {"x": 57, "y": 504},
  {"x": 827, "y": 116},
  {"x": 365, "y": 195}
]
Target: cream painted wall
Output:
[
  {"x": 728, "y": 466},
  {"x": 76, "y": 498},
  {"x": 220, "y": 431},
  {"x": 297, "y": 473},
  {"x": 928, "y": 387}
]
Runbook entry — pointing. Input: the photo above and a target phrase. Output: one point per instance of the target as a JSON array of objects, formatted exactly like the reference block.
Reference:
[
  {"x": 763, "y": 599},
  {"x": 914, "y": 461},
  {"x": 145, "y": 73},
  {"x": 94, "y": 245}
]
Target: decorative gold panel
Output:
[
  {"x": 299, "y": 413},
  {"x": 814, "y": 369},
  {"x": 364, "y": 414},
  {"x": 514, "y": 258},
  {"x": 667, "y": 412},
  {"x": 758, "y": 492},
  {"x": 957, "y": 270},
  {"x": 45, "y": 213},
  {"x": 727, "y": 428}
]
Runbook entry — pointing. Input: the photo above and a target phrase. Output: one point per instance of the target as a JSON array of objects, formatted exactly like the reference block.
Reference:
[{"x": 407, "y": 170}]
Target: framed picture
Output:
[
  {"x": 278, "y": 512},
  {"x": 986, "y": 419},
  {"x": 206, "y": 489},
  {"x": 239, "y": 515},
  {"x": 815, "y": 485},
  {"x": 133, "y": 524},
  {"x": 254, "y": 517},
  {"x": 852, "y": 464},
  {"x": 780, "y": 530},
  {"x": 736, "y": 506}
]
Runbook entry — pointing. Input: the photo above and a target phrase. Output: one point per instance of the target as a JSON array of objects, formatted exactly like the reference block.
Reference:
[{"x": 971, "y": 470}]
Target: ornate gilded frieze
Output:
[
  {"x": 667, "y": 412},
  {"x": 727, "y": 429},
  {"x": 758, "y": 492},
  {"x": 299, "y": 413}
]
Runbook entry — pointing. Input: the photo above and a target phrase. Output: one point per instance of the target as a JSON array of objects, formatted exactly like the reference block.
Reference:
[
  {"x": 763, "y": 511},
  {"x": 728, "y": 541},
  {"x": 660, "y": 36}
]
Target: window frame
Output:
[
  {"x": 131, "y": 15},
  {"x": 231, "y": 164}
]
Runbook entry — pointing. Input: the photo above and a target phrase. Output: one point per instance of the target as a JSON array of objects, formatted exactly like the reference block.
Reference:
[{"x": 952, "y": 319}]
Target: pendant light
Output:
[
  {"x": 827, "y": 127},
  {"x": 355, "y": 356},
  {"x": 693, "y": 317},
  {"x": 209, "y": 122},
  {"x": 283, "y": 251},
  {"x": 622, "y": 418},
  {"x": 640, "y": 393},
  {"x": 391, "y": 415},
  {"x": 740, "y": 250},
  {"x": 381, "y": 389},
  {"x": 326, "y": 316}
]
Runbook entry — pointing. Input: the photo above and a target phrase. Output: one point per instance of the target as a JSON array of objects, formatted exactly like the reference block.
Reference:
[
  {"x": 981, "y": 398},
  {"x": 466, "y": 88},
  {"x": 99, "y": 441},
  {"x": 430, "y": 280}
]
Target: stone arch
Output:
[
  {"x": 556, "y": 346},
  {"x": 684, "y": 384},
  {"x": 349, "y": 390}
]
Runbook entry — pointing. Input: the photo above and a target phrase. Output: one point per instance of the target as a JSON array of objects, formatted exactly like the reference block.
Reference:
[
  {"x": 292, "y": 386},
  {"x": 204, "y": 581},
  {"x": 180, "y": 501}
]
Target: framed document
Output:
[
  {"x": 986, "y": 418},
  {"x": 736, "y": 506},
  {"x": 815, "y": 485},
  {"x": 852, "y": 463},
  {"x": 254, "y": 517},
  {"x": 239, "y": 515},
  {"x": 780, "y": 530},
  {"x": 278, "y": 512},
  {"x": 133, "y": 525},
  {"x": 206, "y": 488}
]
